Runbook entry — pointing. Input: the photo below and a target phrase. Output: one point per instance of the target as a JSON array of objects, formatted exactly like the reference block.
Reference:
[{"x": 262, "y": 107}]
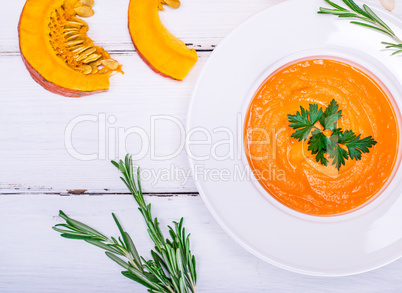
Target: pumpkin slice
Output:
[
  {"x": 57, "y": 51},
  {"x": 162, "y": 51}
]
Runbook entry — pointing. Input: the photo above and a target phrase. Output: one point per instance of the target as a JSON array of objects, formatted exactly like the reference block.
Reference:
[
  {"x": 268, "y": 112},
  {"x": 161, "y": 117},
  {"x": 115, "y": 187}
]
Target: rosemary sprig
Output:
[
  {"x": 366, "y": 17},
  {"x": 172, "y": 268}
]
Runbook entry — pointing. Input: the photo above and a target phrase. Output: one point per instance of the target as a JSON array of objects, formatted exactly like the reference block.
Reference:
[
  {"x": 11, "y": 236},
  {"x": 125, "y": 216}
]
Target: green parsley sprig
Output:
[
  {"x": 339, "y": 145},
  {"x": 172, "y": 268},
  {"x": 363, "y": 16}
]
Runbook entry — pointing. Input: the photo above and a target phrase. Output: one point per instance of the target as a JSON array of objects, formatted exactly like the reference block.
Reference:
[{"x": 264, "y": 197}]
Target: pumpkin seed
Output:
[
  {"x": 91, "y": 58},
  {"x": 89, "y": 3},
  {"x": 173, "y": 3},
  {"x": 84, "y": 25},
  {"x": 96, "y": 63},
  {"x": 85, "y": 54},
  {"x": 94, "y": 69},
  {"x": 72, "y": 24},
  {"x": 73, "y": 37},
  {"x": 110, "y": 64},
  {"x": 86, "y": 69},
  {"x": 69, "y": 33},
  {"x": 388, "y": 4},
  {"x": 68, "y": 30},
  {"x": 74, "y": 48},
  {"x": 73, "y": 43},
  {"x": 84, "y": 11},
  {"x": 79, "y": 49},
  {"x": 77, "y": 19}
]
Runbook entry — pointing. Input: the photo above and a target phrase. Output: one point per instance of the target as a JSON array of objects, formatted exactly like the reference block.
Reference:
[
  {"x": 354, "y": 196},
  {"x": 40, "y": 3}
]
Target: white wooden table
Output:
[{"x": 39, "y": 173}]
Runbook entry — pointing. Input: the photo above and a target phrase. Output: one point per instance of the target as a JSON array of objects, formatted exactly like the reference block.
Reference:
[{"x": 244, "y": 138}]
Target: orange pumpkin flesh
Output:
[
  {"x": 286, "y": 167},
  {"x": 57, "y": 52},
  {"x": 160, "y": 50}
]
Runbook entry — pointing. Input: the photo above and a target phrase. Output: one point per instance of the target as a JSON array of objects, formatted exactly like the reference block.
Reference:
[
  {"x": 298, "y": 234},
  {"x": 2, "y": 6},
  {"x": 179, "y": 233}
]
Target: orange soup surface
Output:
[{"x": 287, "y": 169}]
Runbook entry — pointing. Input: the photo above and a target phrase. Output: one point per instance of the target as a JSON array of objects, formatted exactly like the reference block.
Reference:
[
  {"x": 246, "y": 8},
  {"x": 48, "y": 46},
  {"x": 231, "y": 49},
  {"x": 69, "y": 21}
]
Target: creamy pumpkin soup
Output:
[{"x": 321, "y": 136}]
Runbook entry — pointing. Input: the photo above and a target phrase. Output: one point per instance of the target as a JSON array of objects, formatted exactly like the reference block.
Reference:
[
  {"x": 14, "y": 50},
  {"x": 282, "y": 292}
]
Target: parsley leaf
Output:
[
  {"x": 339, "y": 145},
  {"x": 336, "y": 152},
  {"x": 320, "y": 158},
  {"x": 355, "y": 145},
  {"x": 331, "y": 115},
  {"x": 318, "y": 145},
  {"x": 339, "y": 155},
  {"x": 304, "y": 121}
]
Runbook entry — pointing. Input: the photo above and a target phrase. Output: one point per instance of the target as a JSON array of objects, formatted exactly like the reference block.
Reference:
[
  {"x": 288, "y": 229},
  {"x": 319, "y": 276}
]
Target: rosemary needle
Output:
[
  {"x": 365, "y": 17},
  {"x": 172, "y": 268}
]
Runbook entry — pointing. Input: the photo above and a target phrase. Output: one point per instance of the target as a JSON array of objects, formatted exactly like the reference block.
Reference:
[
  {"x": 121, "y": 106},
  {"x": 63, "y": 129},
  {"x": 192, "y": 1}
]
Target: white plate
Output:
[{"x": 327, "y": 246}]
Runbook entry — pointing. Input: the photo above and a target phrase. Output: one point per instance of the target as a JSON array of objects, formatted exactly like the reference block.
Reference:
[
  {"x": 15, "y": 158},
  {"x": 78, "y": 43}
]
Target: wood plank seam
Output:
[
  {"x": 197, "y": 48},
  {"x": 147, "y": 194}
]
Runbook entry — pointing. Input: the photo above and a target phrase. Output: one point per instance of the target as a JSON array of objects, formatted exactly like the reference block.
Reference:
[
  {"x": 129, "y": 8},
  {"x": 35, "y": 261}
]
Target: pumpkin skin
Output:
[
  {"x": 158, "y": 48},
  {"x": 48, "y": 67}
]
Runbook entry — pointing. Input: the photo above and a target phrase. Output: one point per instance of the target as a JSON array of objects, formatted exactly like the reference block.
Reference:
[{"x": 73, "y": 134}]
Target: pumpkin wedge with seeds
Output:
[{"x": 57, "y": 51}]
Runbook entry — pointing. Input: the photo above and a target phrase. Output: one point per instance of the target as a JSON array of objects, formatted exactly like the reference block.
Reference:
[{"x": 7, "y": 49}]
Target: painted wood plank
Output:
[
  {"x": 34, "y": 123},
  {"x": 200, "y": 23},
  {"x": 35, "y": 259},
  {"x": 33, "y": 158}
]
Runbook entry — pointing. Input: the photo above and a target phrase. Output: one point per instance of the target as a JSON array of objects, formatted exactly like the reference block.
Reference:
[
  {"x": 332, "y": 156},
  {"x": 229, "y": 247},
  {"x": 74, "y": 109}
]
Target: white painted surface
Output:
[
  {"x": 33, "y": 155},
  {"x": 319, "y": 246},
  {"x": 35, "y": 259},
  {"x": 33, "y": 159},
  {"x": 33, "y": 121}
]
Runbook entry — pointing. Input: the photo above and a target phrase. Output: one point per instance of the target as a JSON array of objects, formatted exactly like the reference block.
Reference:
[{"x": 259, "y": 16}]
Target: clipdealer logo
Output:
[{"x": 110, "y": 141}]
